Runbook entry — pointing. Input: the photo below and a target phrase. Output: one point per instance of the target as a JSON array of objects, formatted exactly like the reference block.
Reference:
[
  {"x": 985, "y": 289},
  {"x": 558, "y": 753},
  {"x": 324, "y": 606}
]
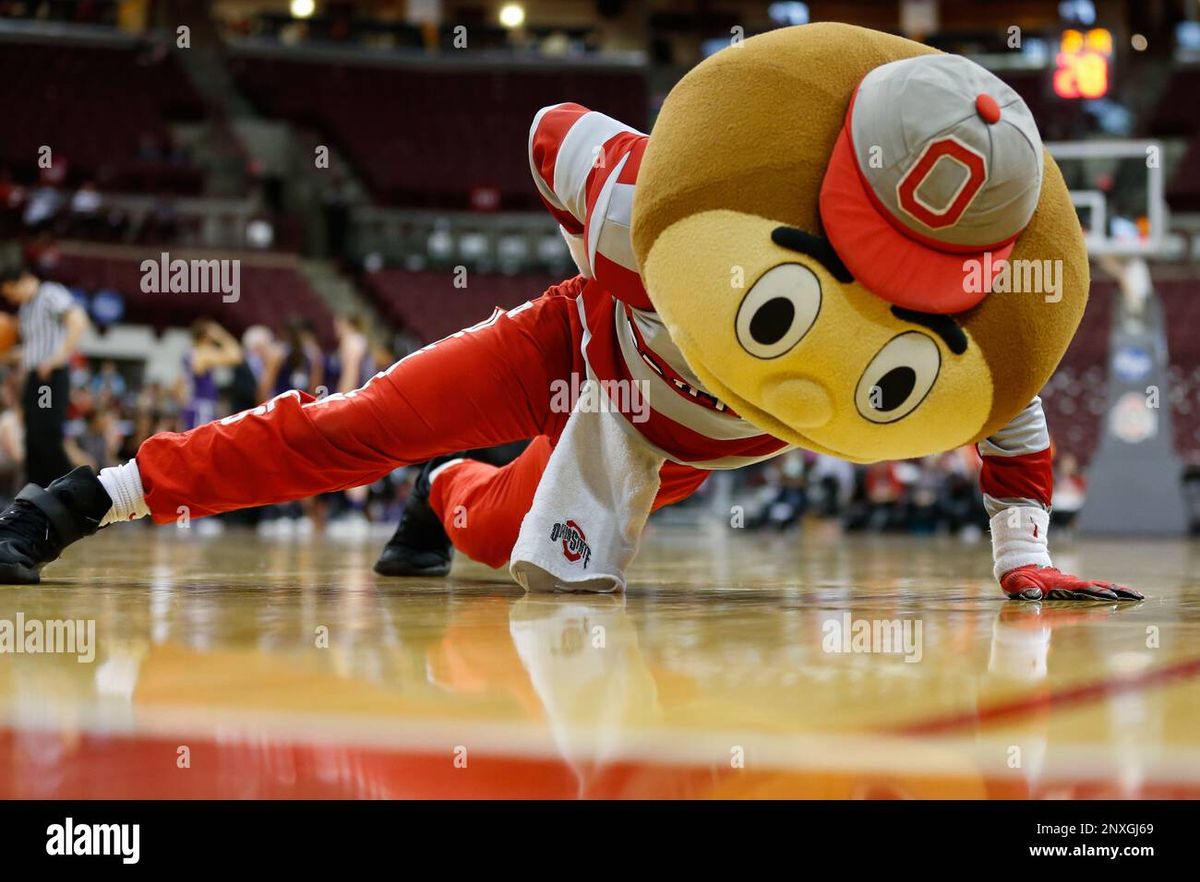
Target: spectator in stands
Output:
[
  {"x": 316, "y": 356},
  {"x": 936, "y": 494},
  {"x": 245, "y": 389},
  {"x": 923, "y": 510},
  {"x": 261, "y": 351},
  {"x": 85, "y": 211},
  {"x": 213, "y": 348},
  {"x": 148, "y": 406},
  {"x": 108, "y": 384},
  {"x": 885, "y": 485},
  {"x": 87, "y": 200},
  {"x": 960, "y": 501},
  {"x": 299, "y": 362},
  {"x": 42, "y": 207},
  {"x": 831, "y": 480},
  {"x": 355, "y": 363},
  {"x": 42, "y": 254},
  {"x": 12, "y": 437},
  {"x": 350, "y": 368},
  {"x": 1070, "y": 491},
  {"x": 382, "y": 355},
  {"x": 791, "y": 499},
  {"x": 51, "y": 326},
  {"x": 98, "y": 441},
  {"x": 82, "y": 400},
  {"x": 296, "y": 362},
  {"x": 161, "y": 224}
]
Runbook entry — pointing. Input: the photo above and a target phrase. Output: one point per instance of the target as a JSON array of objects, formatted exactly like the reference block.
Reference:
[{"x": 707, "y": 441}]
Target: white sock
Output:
[
  {"x": 123, "y": 484},
  {"x": 1019, "y": 538},
  {"x": 435, "y": 472}
]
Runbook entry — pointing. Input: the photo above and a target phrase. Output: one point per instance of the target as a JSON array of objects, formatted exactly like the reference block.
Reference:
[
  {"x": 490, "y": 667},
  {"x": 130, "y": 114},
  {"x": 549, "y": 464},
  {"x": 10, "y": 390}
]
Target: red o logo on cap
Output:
[{"x": 955, "y": 151}]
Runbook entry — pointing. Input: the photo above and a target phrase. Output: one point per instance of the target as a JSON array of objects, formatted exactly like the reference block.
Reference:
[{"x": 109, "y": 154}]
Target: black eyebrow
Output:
[
  {"x": 942, "y": 325},
  {"x": 795, "y": 239}
]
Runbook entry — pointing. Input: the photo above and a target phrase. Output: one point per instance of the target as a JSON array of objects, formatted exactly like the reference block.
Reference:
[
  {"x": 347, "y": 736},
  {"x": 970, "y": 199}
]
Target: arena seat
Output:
[
  {"x": 433, "y": 139},
  {"x": 270, "y": 295},
  {"x": 99, "y": 108},
  {"x": 427, "y": 305},
  {"x": 1076, "y": 395},
  {"x": 1183, "y": 189},
  {"x": 1181, "y": 305},
  {"x": 1178, "y": 109},
  {"x": 1075, "y": 398}
]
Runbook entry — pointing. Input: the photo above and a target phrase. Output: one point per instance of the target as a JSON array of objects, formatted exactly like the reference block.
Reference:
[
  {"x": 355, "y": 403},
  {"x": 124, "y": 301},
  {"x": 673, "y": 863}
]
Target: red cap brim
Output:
[{"x": 889, "y": 263}]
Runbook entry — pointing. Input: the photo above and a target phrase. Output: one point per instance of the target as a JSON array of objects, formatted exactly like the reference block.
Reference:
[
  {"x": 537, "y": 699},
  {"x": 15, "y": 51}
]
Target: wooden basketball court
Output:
[{"x": 738, "y": 665}]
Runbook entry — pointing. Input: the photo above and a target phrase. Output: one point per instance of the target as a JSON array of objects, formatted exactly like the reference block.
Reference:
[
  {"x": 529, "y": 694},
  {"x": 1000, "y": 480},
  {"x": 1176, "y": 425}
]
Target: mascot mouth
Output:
[{"x": 750, "y": 412}]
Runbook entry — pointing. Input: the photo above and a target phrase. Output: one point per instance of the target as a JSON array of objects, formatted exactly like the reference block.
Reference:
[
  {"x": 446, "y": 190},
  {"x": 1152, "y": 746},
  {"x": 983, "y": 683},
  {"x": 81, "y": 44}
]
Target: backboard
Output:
[{"x": 1117, "y": 188}]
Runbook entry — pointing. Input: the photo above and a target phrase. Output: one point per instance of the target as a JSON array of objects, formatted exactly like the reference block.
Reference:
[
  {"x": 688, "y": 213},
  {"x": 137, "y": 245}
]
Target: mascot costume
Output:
[{"x": 802, "y": 254}]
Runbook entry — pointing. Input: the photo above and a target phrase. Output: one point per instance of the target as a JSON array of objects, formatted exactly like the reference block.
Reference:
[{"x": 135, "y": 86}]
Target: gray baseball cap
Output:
[{"x": 938, "y": 161}]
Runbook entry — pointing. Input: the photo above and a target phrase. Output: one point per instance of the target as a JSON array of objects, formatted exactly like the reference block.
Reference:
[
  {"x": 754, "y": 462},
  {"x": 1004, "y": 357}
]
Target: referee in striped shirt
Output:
[{"x": 51, "y": 325}]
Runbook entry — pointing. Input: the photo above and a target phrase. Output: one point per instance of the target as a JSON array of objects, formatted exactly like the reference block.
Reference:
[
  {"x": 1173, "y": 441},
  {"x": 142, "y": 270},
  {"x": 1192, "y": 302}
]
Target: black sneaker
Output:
[
  {"x": 41, "y": 523},
  {"x": 420, "y": 546}
]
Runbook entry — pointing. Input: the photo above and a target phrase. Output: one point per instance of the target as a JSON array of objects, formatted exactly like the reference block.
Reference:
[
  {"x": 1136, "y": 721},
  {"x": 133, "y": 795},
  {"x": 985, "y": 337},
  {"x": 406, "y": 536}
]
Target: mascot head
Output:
[{"x": 830, "y": 221}]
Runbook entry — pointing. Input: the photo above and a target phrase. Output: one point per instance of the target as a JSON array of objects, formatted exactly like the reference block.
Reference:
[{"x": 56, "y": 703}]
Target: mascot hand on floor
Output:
[{"x": 821, "y": 215}]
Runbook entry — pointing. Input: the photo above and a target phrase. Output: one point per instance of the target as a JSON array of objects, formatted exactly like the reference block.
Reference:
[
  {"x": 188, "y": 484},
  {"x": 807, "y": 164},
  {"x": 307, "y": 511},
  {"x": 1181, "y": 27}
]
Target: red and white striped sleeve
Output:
[
  {"x": 585, "y": 165},
  {"x": 1017, "y": 469}
]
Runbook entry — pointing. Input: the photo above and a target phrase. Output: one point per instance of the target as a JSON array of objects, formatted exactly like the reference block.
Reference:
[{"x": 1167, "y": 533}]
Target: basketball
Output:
[{"x": 8, "y": 331}]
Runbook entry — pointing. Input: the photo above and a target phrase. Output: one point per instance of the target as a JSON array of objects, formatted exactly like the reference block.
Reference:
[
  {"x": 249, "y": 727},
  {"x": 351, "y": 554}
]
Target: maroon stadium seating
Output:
[
  {"x": 430, "y": 139},
  {"x": 1178, "y": 109},
  {"x": 93, "y": 106},
  {"x": 1183, "y": 190},
  {"x": 270, "y": 295},
  {"x": 1075, "y": 397},
  {"x": 428, "y": 306},
  {"x": 1181, "y": 305}
]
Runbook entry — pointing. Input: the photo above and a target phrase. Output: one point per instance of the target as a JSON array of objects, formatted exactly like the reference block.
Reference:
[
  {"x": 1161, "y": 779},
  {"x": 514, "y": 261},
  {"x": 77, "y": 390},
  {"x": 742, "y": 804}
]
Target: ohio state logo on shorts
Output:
[{"x": 574, "y": 543}]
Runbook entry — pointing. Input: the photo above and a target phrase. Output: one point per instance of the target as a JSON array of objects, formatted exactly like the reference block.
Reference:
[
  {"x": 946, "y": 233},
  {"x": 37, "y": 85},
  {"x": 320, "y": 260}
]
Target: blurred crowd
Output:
[
  {"x": 931, "y": 495},
  {"x": 111, "y": 411},
  {"x": 52, "y": 206}
]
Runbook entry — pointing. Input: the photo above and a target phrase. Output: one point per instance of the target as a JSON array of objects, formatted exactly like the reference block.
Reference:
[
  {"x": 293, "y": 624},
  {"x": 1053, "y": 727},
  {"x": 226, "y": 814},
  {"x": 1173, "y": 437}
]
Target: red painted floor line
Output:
[{"x": 1074, "y": 695}]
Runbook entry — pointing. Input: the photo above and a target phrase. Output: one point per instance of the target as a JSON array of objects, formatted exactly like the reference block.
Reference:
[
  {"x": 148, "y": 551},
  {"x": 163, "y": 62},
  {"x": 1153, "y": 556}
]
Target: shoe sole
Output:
[
  {"x": 386, "y": 569},
  {"x": 17, "y": 574}
]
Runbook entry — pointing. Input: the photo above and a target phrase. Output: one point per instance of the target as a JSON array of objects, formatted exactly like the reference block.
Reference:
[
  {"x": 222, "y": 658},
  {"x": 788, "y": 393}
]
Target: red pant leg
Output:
[
  {"x": 482, "y": 506},
  {"x": 678, "y": 483},
  {"x": 489, "y": 384}
]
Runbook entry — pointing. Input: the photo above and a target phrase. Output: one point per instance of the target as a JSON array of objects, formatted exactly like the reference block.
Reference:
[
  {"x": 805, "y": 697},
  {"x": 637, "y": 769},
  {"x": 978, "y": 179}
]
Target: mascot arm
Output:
[
  {"x": 1017, "y": 480},
  {"x": 1017, "y": 468},
  {"x": 585, "y": 165}
]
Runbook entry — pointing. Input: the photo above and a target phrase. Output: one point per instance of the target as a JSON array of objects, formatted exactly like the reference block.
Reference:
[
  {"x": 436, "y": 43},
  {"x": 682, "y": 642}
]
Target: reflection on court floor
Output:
[{"x": 738, "y": 665}]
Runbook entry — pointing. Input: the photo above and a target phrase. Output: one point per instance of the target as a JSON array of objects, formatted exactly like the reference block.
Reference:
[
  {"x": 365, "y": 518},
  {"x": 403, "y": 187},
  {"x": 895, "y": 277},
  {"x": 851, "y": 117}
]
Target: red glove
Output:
[{"x": 1032, "y": 582}]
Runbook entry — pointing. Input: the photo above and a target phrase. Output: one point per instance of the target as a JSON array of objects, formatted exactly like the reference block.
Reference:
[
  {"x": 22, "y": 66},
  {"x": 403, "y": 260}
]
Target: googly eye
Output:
[
  {"x": 898, "y": 378},
  {"x": 778, "y": 310}
]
